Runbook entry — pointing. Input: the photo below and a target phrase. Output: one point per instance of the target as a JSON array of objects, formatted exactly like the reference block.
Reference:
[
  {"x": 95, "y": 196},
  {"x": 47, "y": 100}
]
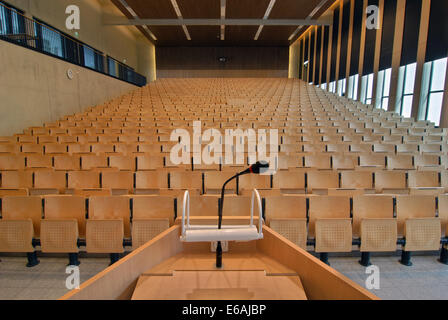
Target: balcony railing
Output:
[{"x": 36, "y": 35}]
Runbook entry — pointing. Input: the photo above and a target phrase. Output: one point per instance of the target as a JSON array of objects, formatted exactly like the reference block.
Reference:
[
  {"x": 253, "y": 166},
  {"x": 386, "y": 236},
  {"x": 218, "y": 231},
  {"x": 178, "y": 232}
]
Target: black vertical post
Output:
[
  {"x": 406, "y": 258},
  {"x": 365, "y": 259},
  {"x": 443, "y": 255},
  {"x": 32, "y": 259},
  {"x": 73, "y": 259},
  {"x": 323, "y": 256}
]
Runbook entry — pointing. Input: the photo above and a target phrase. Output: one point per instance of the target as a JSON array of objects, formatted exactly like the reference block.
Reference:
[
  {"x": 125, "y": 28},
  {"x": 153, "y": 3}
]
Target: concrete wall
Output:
[
  {"x": 126, "y": 44},
  {"x": 34, "y": 88}
]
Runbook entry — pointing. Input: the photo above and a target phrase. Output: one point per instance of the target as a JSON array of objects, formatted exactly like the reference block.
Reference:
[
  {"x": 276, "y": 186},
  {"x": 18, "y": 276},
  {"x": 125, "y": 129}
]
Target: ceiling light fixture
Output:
[
  {"x": 317, "y": 8},
  {"x": 265, "y": 17},
  {"x": 135, "y": 16},
  {"x": 223, "y": 16},
  {"x": 179, "y": 16}
]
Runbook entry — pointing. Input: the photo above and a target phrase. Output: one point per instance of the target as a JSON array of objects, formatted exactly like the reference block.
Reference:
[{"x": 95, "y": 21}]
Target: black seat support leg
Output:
[
  {"x": 324, "y": 257},
  {"x": 406, "y": 258},
  {"x": 73, "y": 259},
  {"x": 114, "y": 257},
  {"x": 365, "y": 259},
  {"x": 443, "y": 255},
  {"x": 32, "y": 259}
]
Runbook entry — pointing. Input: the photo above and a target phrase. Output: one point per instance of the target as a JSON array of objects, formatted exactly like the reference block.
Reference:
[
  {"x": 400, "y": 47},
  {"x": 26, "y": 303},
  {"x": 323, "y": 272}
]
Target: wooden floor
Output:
[{"x": 243, "y": 276}]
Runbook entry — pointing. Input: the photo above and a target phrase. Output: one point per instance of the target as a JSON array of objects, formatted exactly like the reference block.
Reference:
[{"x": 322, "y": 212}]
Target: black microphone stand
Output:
[
  {"x": 255, "y": 168},
  {"x": 219, "y": 247}
]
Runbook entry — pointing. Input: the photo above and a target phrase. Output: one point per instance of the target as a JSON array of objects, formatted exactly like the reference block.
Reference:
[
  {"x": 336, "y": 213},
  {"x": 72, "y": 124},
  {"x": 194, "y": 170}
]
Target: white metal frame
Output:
[{"x": 210, "y": 233}]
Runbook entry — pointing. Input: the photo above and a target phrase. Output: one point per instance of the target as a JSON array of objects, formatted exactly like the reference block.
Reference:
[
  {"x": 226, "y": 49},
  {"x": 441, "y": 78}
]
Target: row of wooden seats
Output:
[
  {"x": 303, "y": 181},
  {"x": 284, "y": 160},
  {"x": 331, "y": 221},
  {"x": 376, "y": 220},
  {"x": 286, "y": 144}
]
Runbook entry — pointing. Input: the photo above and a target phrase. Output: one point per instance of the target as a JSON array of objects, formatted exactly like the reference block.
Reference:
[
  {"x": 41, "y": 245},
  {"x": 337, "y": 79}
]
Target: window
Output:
[
  {"x": 407, "y": 74},
  {"x": 436, "y": 88},
  {"x": 48, "y": 39},
  {"x": 324, "y": 86},
  {"x": 111, "y": 65},
  {"x": 384, "y": 88},
  {"x": 367, "y": 89},
  {"x": 12, "y": 22},
  {"x": 353, "y": 87},
  {"x": 342, "y": 85},
  {"x": 332, "y": 87},
  {"x": 89, "y": 57}
]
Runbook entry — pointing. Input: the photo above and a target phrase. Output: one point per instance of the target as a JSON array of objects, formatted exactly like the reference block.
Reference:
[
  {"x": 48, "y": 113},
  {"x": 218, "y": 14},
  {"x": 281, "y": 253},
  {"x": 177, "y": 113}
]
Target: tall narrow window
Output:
[
  {"x": 342, "y": 84},
  {"x": 89, "y": 57},
  {"x": 353, "y": 87},
  {"x": 384, "y": 88},
  {"x": 367, "y": 89},
  {"x": 407, "y": 93},
  {"x": 436, "y": 88},
  {"x": 111, "y": 65}
]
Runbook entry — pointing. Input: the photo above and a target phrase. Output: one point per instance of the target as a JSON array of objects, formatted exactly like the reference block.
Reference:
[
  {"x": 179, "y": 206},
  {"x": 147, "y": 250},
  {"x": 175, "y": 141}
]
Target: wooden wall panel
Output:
[{"x": 242, "y": 61}]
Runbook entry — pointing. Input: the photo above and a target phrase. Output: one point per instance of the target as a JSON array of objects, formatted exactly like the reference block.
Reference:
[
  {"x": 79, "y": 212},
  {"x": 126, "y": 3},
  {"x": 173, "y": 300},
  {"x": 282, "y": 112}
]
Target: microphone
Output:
[{"x": 257, "y": 168}]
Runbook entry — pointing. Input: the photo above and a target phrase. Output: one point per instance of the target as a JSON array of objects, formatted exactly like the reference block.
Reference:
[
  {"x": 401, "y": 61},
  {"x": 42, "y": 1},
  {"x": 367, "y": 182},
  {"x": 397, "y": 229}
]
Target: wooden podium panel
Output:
[{"x": 219, "y": 285}]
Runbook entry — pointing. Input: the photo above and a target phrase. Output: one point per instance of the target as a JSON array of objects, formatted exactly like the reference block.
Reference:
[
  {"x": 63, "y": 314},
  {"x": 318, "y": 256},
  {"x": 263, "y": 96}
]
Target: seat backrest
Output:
[
  {"x": 371, "y": 207},
  {"x": 337, "y": 147},
  {"x": 148, "y": 162},
  {"x": 61, "y": 207},
  {"x": 400, "y": 162},
  {"x": 423, "y": 179},
  {"x": 322, "y": 180},
  {"x": 17, "y": 179},
  {"x": 93, "y": 161},
  {"x": 12, "y": 162},
  {"x": 390, "y": 180},
  {"x": 39, "y": 161},
  {"x": 356, "y": 179},
  {"x": 153, "y": 207},
  {"x": 10, "y": 148},
  {"x": 238, "y": 206},
  {"x": 201, "y": 205},
  {"x": 373, "y": 159},
  {"x": 117, "y": 180},
  {"x": 318, "y": 161},
  {"x": 283, "y": 207},
  {"x": 111, "y": 207},
  {"x": 48, "y": 179},
  {"x": 83, "y": 179},
  {"x": 443, "y": 212},
  {"x": 328, "y": 207},
  {"x": 426, "y": 160},
  {"x": 63, "y": 162},
  {"x": 216, "y": 179},
  {"x": 414, "y": 206},
  {"x": 23, "y": 207},
  {"x": 344, "y": 161},
  {"x": 122, "y": 162},
  {"x": 251, "y": 181},
  {"x": 151, "y": 180},
  {"x": 185, "y": 180},
  {"x": 288, "y": 180},
  {"x": 74, "y": 148}
]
